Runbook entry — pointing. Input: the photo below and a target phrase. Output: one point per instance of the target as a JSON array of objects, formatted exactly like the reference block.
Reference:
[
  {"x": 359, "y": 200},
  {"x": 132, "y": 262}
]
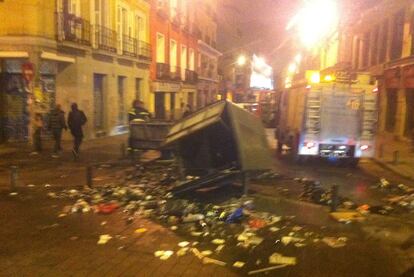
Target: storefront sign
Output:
[
  {"x": 392, "y": 78},
  {"x": 28, "y": 71},
  {"x": 166, "y": 87}
]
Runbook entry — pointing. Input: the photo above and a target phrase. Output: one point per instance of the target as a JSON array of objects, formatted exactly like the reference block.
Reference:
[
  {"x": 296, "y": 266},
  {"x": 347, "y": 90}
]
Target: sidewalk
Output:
[
  {"x": 63, "y": 171},
  {"x": 397, "y": 157}
]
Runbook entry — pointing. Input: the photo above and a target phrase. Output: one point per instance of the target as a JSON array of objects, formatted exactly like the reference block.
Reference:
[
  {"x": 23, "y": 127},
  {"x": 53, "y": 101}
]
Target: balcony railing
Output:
[
  {"x": 191, "y": 76},
  {"x": 163, "y": 71},
  {"x": 73, "y": 28},
  {"x": 175, "y": 72},
  {"x": 76, "y": 29},
  {"x": 129, "y": 46},
  {"x": 144, "y": 50},
  {"x": 105, "y": 38}
]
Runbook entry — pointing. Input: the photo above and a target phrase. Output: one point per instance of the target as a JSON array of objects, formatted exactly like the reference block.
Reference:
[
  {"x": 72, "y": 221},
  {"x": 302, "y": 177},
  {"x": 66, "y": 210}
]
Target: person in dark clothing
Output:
[
  {"x": 76, "y": 120},
  {"x": 138, "y": 111},
  {"x": 56, "y": 124},
  {"x": 37, "y": 133}
]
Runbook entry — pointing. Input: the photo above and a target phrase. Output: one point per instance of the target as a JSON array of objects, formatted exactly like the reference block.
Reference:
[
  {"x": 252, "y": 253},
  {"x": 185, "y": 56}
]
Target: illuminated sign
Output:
[{"x": 262, "y": 74}]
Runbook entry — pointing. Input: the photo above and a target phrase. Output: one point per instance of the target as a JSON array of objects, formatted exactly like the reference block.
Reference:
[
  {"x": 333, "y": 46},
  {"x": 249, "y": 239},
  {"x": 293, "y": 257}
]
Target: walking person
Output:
[
  {"x": 56, "y": 124},
  {"x": 37, "y": 133},
  {"x": 76, "y": 120}
]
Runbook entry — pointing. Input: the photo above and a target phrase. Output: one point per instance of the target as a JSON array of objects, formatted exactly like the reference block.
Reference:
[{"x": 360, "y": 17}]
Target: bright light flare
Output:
[
  {"x": 315, "y": 21},
  {"x": 241, "y": 60}
]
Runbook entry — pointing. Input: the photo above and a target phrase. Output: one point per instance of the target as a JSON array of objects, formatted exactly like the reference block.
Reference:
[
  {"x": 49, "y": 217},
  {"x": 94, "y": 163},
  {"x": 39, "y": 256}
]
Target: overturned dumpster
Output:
[{"x": 218, "y": 144}]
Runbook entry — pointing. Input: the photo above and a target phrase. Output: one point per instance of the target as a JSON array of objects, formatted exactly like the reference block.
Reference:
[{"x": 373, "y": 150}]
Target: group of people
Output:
[{"x": 56, "y": 125}]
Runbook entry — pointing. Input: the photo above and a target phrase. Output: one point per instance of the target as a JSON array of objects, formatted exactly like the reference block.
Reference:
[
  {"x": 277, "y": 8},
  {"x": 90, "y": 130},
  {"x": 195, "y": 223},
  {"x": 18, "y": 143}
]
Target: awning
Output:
[
  {"x": 55, "y": 57},
  {"x": 13, "y": 54}
]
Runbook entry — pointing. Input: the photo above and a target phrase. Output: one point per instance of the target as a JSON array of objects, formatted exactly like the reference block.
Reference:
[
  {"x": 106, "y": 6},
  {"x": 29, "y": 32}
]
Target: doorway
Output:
[
  {"x": 98, "y": 97},
  {"x": 159, "y": 105}
]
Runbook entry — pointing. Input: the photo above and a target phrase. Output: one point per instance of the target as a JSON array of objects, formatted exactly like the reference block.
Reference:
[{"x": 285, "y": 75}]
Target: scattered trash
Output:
[
  {"x": 103, "y": 223},
  {"x": 277, "y": 258},
  {"x": 107, "y": 208},
  {"x": 257, "y": 223},
  {"x": 13, "y": 193},
  {"x": 47, "y": 185},
  {"x": 266, "y": 269},
  {"x": 206, "y": 252},
  {"x": 207, "y": 260},
  {"x": 236, "y": 216},
  {"x": 183, "y": 244},
  {"x": 103, "y": 239},
  {"x": 335, "y": 242},
  {"x": 30, "y": 186},
  {"x": 183, "y": 251},
  {"x": 218, "y": 241},
  {"x": 288, "y": 239},
  {"x": 347, "y": 217},
  {"x": 74, "y": 238},
  {"x": 163, "y": 255},
  {"x": 140, "y": 230},
  {"x": 238, "y": 264}
]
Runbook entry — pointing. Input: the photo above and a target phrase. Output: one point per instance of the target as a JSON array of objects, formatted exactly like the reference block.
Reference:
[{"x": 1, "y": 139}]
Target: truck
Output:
[{"x": 335, "y": 119}]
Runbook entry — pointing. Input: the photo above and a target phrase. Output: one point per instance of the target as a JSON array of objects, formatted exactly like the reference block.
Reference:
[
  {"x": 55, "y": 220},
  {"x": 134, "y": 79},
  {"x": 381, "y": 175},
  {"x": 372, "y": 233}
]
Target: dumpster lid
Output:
[{"x": 246, "y": 128}]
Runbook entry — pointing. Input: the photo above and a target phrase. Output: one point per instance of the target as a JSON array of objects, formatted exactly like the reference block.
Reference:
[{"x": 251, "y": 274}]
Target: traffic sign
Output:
[{"x": 28, "y": 71}]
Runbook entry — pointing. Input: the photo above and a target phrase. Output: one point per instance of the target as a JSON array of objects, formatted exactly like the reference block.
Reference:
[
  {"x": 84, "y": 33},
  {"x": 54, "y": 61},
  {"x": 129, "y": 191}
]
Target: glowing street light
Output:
[
  {"x": 315, "y": 21},
  {"x": 241, "y": 60}
]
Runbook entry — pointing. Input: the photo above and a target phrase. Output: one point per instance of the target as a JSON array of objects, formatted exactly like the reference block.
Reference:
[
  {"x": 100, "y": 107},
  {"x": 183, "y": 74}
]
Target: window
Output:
[
  {"x": 391, "y": 110},
  {"x": 384, "y": 42},
  {"x": 191, "y": 59},
  {"x": 365, "y": 49},
  {"x": 374, "y": 46},
  {"x": 173, "y": 8},
  {"x": 183, "y": 61},
  {"x": 173, "y": 55},
  {"x": 74, "y": 7},
  {"x": 412, "y": 34},
  {"x": 101, "y": 14},
  {"x": 121, "y": 100},
  {"x": 122, "y": 27},
  {"x": 409, "y": 121},
  {"x": 357, "y": 49},
  {"x": 398, "y": 34},
  {"x": 160, "y": 57}
]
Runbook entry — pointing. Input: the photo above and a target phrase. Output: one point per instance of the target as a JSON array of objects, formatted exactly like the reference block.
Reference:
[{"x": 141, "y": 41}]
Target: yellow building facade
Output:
[{"x": 92, "y": 52}]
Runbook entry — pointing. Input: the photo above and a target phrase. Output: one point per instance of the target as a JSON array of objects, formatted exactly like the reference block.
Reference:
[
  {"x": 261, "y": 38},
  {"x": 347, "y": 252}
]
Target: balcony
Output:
[
  {"x": 73, "y": 28},
  {"x": 144, "y": 50},
  {"x": 129, "y": 46},
  {"x": 163, "y": 71},
  {"x": 105, "y": 38},
  {"x": 175, "y": 73},
  {"x": 191, "y": 76}
]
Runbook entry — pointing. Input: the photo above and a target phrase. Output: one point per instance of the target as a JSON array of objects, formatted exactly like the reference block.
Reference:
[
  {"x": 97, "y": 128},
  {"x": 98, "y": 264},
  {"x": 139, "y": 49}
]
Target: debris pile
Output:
[{"x": 214, "y": 231}]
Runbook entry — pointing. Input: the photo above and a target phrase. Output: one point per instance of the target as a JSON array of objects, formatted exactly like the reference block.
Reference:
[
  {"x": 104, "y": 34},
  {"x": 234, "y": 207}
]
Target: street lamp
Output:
[
  {"x": 241, "y": 60},
  {"x": 315, "y": 21}
]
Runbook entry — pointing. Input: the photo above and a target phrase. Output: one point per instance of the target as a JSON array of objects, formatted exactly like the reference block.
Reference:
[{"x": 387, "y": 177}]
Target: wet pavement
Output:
[{"x": 38, "y": 240}]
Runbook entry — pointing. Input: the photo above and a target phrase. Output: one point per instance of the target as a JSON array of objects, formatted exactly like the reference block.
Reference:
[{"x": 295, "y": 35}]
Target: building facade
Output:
[
  {"x": 184, "y": 67},
  {"x": 92, "y": 52},
  {"x": 383, "y": 44},
  {"x": 174, "y": 57},
  {"x": 208, "y": 80}
]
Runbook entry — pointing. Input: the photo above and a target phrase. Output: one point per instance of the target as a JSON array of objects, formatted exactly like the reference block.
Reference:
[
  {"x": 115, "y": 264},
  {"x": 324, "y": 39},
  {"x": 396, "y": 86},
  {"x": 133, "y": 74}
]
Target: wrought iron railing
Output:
[
  {"x": 144, "y": 50},
  {"x": 129, "y": 46},
  {"x": 175, "y": 73},
  {"x": 105, "y": 38},
  {"x": 73, "y": 28},
  {"x": 191, "y": 76},
  {"x": 163, "y": 71}
]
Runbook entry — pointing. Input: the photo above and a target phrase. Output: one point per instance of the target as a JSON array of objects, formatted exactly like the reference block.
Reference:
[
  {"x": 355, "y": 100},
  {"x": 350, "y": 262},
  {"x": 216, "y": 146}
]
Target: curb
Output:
[{"x": 389, "y": 168}]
